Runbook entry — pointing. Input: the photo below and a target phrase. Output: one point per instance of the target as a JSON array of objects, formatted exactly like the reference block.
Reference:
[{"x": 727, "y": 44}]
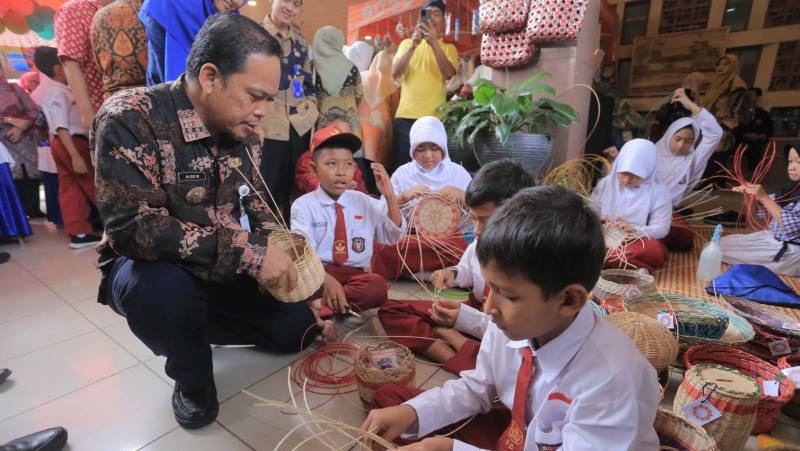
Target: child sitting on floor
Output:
[
  {"x": 779, "y": 247},
  {"x": 431, "y": 171},
  {"x": 570, "y": 379},
  {"x": 682, "y": 160},
  {"x": 632, "y": 201},
  {"x": 341, "y": 225},
  {"x": 451, "y": 328}
]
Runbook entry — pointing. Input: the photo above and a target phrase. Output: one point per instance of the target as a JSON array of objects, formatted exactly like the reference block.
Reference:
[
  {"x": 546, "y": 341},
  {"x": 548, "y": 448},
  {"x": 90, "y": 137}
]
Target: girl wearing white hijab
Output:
[
  {"x": 360, "y": 53},
  {"x": 682, "y": 159},
  {"x": 631, "y": 197},
  {"x": 429, "y": 171}
]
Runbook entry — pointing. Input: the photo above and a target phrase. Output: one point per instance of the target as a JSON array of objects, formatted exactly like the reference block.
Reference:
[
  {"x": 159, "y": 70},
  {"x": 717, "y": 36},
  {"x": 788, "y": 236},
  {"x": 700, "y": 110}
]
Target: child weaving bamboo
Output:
[
  {"x": 631, "y": 200},
  {"x": 777, "y": 248},
  {"x": 341, "y": 225},
  {"x": 457, "y": 325},
  {"x": 431, "y": 171},
  {"x": 570, "y": 379}
]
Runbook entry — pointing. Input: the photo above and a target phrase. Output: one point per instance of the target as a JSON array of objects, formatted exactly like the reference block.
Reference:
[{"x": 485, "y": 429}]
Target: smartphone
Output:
[{"x": 423, "y": 16}]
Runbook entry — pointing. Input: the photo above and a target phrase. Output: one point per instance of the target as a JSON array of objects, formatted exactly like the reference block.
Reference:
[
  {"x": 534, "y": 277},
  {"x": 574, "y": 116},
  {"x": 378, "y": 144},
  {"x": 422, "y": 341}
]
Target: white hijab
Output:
[
  {"x": 674, "y": 170},
  {"x": 360, "y": 54},
  {"x": 446, "y": 173},
  {"x": 639, "y": 157}
]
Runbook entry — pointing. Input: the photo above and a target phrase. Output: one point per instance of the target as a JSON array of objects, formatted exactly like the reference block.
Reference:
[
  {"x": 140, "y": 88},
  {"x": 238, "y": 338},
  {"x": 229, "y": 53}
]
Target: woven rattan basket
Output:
[
  {"x": 734, "y": 394},
  {"x": 651, "y": 304},
  {"x": 370, "y": 377},
  {"x": 676, "y": 433},
  {"x": 657, "y": 343},
  {"x": 622, "y": 282},
  {"x": 792, "y": 408},
  {"x": 436, "y": 218},
  {"x": 769, "y": 407},
  {"x": 310, "y": 272}
]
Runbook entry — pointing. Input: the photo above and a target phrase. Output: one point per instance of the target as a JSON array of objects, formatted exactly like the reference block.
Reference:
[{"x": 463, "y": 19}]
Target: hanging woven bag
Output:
[
  {"x": 555, "y": 20},
  {"x": 503, "y": 16}
]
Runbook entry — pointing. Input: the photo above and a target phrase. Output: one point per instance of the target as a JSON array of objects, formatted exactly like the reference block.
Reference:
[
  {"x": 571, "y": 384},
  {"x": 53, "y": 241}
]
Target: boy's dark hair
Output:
[
  {"x": 549, "y": 236},
  {"x": 226, "y": 40},
  {"x": 46, "y": 59},
  {"x": 496, "y": 182}
]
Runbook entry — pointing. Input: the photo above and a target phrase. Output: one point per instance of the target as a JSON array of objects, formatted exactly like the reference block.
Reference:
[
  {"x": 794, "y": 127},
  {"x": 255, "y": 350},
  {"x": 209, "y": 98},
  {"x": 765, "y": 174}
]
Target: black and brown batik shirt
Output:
[{"x": 164, "y": 196}]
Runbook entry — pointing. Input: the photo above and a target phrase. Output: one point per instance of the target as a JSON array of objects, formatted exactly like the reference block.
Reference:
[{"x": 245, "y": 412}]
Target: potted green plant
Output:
[{"x": 507, "y": 122}]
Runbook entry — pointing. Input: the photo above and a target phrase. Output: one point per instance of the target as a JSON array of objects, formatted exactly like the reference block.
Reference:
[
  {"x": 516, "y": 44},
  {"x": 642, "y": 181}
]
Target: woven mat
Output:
[{"x": 678, "y": 275}]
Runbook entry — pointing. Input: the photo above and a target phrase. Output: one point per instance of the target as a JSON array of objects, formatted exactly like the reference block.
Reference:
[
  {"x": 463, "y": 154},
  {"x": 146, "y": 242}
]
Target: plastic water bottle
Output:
[{"x": 710, "y": 264}]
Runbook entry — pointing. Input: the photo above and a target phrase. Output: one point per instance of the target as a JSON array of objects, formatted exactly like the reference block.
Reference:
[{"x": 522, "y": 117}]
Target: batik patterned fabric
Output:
[
  {"x": 72, "y": 24},
  {"x": 789, "y": 227},
  {"x": 165, "y": 196},
  {"x": 120, "y": 45}
]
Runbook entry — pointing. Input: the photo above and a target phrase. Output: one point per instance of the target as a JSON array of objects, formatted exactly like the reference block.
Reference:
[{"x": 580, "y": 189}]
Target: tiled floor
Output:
[{"x": 76, "y": 364}]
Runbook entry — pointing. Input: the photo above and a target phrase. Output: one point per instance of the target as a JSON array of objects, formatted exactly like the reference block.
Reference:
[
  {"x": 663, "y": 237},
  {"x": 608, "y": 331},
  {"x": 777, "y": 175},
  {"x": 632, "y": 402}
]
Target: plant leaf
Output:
[
  {"x": 503, "y": 133},
  {"x": 483, "y": 94}
]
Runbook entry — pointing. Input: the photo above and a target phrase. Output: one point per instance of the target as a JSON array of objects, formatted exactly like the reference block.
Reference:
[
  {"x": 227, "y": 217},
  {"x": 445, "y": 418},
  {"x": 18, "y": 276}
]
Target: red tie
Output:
[
  {"x": 513, "y": 438},
  {"x": 339, "y": 237}
]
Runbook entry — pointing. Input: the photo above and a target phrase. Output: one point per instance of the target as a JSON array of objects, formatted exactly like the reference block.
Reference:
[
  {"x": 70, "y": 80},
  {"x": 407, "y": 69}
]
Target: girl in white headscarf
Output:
[
  {"x": 360, "y": 53},
  {"x": 429, "y": 171},
  {"x": 632, "y": 198},
  {"x": 682, "y": 159}
]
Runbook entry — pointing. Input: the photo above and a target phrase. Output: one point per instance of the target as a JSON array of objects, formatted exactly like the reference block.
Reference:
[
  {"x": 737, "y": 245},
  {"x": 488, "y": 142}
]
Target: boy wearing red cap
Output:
[{"x": 341, "y": 224}]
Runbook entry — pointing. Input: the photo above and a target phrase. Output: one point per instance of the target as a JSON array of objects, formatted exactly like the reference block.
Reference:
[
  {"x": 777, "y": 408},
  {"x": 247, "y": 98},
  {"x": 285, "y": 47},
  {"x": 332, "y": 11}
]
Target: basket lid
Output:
[{"x": 728, "y": 381}]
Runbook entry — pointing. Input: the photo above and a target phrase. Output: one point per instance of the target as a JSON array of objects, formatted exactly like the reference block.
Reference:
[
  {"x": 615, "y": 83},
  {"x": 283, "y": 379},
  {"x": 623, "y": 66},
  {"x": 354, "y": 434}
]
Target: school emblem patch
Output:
[
  {"x": 358, "y": 245},
  {"x": 339, "y": 246}
]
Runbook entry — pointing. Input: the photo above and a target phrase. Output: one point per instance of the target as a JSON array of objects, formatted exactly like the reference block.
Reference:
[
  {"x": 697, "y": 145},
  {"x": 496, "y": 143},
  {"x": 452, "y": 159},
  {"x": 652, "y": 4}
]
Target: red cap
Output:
[{"x": 333, "y": 136}]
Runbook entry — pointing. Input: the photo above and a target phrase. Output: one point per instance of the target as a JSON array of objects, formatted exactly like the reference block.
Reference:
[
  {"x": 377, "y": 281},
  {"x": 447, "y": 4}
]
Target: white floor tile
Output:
[
  {"x": 100, "y": 315},
  {"x": 121, "y": 333},
  {"x": 19, "y": 300},
  {"x": 124, "y": 412},
  {"x": 44, "y": 375},
  {"x": 78, "y": 288},
  {"x": 210, "y": 438},
  {"x": 32, "y": 332}
]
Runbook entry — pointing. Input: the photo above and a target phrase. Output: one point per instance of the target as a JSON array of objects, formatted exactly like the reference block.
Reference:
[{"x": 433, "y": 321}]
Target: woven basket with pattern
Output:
[
  {"x": 501, "y": 50},
  {"x": 622, "y": 282},
  {"x": 657, "y": 343},
  {"x": 370, "y": 377},
  {"x": 792, "y": 408},
  {"x": 555, "y": 20},
  {"x": 310, "y": 272},
  {"x": 702, "y": 316},
  {"x": 503, "y": 16},
  {"x": 676, "y": 433},
  {"x": 734, "y": 394},
  {"x": 769, "y": 407}
]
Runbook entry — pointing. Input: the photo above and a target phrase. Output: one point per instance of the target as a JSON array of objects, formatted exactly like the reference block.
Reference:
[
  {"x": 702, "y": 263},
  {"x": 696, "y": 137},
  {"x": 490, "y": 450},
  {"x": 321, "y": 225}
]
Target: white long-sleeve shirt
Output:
[
  {"x": 366, "y": 220},
  {"x": 591, "y": 390},
  {"x": 468, "y": 275},
  {"x": 658, "y": 218}
]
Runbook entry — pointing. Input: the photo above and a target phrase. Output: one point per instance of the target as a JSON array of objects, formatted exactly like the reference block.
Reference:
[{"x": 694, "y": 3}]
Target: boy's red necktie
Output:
[
  {"x": 339, "y": 237},
  {"x": 513, "y": 438}
]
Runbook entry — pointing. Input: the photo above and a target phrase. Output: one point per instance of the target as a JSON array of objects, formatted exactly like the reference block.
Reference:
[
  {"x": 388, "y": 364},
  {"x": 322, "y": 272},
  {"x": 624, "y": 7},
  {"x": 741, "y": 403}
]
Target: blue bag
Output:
[{"x": 756, "y": 283}]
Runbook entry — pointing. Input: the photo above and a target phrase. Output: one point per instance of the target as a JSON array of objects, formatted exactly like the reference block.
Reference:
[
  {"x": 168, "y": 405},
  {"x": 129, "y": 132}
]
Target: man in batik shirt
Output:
[{"x": 189, "y": 250}]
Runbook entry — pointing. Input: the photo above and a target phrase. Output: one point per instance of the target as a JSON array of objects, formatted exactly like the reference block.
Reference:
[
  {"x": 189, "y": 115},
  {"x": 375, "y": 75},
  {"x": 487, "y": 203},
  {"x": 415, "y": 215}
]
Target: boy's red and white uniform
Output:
[{"x": 590, "y": 389}]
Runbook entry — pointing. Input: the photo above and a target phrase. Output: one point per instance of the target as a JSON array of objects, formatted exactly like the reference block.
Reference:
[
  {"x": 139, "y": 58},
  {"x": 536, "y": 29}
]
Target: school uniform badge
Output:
[{"x": 358, "y": 245}]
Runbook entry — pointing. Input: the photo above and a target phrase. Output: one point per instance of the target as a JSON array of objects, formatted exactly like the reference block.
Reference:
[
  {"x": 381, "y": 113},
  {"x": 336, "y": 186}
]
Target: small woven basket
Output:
[
  {"x": 656, "y": 342},
  {"x": 735, "y": 395},
  {"x": 697, "y": 316},
  {"x": 624, "y": 283},
  {"x": 792, "y": 408},
  {"x": 759, "y": 345},
  {"x": 370, "y": 377},
  {"x": 769, "y": 407},
  {"x": 310, "y": 272},
  {"x": 676, "y": 433},
  {"x": 436, "y": 218}
]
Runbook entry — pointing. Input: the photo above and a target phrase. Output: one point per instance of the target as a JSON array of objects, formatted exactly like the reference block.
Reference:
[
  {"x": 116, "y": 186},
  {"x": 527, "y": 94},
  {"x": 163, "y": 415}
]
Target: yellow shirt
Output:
[{"x": 422, "y": 88}]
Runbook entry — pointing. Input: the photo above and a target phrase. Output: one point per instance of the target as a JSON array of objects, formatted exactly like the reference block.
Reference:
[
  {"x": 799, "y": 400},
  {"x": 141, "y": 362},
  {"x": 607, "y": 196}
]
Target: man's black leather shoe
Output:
[
  {"x": 195, "y": 408},
  {"x": 52, "y": 439},
  {"x": 4, "y": 373}
]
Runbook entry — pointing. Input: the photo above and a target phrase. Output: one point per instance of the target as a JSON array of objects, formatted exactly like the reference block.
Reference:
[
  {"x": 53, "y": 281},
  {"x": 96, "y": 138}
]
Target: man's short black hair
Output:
[
  {"x": 757, "y": 91},
  {"x": 46, "y": 59},
  {"x": 496, "y": 182},
  {"x": 549, "y": 236},
  {"x": 226, "y": 40}
]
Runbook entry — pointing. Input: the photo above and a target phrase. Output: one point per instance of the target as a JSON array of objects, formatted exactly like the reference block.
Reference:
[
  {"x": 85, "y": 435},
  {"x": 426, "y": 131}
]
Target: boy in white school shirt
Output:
[
  {"x": 571, "y": 380},
  {"x": 341, "y": 224}
]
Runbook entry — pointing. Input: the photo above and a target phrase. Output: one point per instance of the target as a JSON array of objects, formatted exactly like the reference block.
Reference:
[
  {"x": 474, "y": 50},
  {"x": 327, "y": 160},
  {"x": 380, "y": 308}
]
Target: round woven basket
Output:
[
  {"x": 675, "y": 433},
  {"x": 734, "y": 394},
  {"x": 792, "y": 408},
  {"x": 370, "y": 377},
  {"x": 656, "y": 342},
  {"x": 436, "y": 218},
  {"x": 698, "y": 321},
  {"x": 310, "y": 272},
  {"x": 622, "y": 282},
  {"x": 769, "y": 407}
]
